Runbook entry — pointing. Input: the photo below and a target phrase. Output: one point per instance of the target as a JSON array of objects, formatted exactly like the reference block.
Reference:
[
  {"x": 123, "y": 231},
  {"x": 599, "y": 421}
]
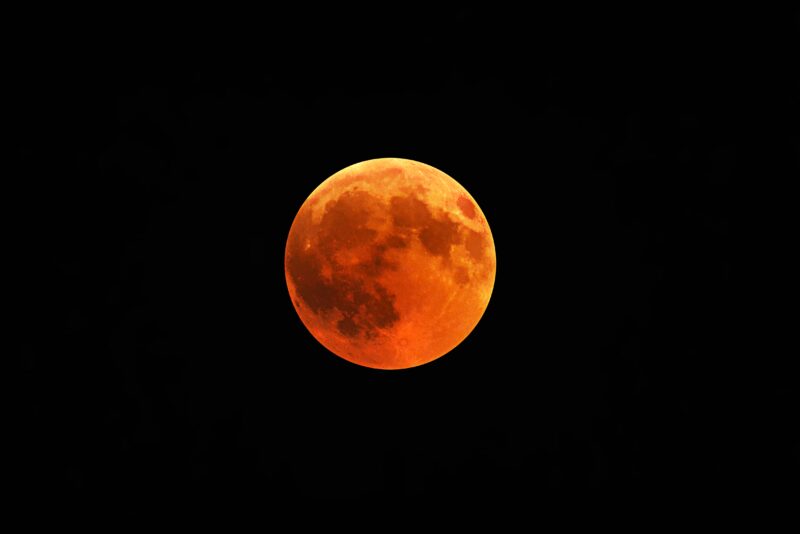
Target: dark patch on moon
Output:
[
  {"x": 377, "y": 262},
  {"x": 392, "y": 171},
  {"x": 348, "y": 327},
  {"x": 461, "y": 276},
  {"x": 365, "y": 306},
  {"x": 439, "y": 235},
  {"x": 409, "y": 212},
  {"x": 396, "y": 241},
  {"x": 466, "y": 206},
  {"x": 436, "y": 234},
  {"x": 344, "y": 224},
  {"x": 475, "y": 244}
]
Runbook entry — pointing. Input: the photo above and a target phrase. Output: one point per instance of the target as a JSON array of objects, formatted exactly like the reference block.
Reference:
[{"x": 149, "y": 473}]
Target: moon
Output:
[{"x": 390, "y": 263}]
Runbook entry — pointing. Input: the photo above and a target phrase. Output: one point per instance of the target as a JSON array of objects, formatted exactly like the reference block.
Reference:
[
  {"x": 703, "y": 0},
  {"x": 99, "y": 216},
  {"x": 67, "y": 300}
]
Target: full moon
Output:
[{"x": 390, "y": 263}]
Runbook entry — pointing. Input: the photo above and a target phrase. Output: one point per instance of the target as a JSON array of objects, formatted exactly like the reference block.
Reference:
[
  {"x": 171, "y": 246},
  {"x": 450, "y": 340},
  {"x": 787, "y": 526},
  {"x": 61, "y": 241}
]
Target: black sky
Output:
[{"x": 163, "y": 160}]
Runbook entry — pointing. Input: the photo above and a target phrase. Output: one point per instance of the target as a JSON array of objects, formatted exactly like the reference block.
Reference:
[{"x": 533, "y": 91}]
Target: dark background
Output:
[{"x": 163, "y": 159}]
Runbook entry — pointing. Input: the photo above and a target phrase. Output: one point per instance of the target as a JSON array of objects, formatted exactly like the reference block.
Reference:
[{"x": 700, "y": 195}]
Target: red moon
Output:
[{"x": 390, "y": 263}]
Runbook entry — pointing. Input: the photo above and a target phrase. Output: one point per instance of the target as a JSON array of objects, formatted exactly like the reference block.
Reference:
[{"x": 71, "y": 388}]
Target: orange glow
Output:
[{"x": 390, "y": 263}]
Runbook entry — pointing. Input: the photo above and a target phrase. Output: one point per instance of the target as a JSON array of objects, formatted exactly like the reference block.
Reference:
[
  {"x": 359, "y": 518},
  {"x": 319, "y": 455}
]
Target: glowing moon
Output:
[{"x": 390, "y": 263}]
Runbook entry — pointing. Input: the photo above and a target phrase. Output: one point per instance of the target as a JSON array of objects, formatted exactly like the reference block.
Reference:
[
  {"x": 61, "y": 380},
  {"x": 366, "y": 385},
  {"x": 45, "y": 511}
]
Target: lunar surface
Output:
[{"x": 390, "y": 263}]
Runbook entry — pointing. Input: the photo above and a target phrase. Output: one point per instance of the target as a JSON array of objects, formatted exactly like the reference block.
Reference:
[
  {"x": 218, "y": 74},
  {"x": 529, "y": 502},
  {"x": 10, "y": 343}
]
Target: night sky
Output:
[{"x": 162, "y": 161}]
